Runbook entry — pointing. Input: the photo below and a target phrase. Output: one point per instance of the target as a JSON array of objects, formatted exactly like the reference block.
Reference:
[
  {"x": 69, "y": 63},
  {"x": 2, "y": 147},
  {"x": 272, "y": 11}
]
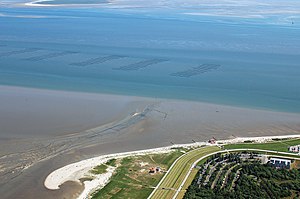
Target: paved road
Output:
[{"x": 169, "y": 184}]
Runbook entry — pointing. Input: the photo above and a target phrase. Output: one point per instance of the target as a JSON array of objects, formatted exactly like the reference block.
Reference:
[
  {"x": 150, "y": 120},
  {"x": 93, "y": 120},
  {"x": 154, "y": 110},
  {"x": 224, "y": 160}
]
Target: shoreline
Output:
[{"x": 77, "y": 170}]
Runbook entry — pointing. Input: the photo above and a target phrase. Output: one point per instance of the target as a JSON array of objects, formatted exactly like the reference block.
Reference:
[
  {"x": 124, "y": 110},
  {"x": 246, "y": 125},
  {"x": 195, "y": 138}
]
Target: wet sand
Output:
[
  {"x": 44, "y": 113},
  {"x": 43, "y": 130}
]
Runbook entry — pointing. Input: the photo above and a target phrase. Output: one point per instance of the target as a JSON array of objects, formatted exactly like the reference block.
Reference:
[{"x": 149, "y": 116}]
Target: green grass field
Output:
[
  {"x": 99, "y": 169},
  {"x": 132, "y": 178},
  {"x": 281, "y": 146},
  {"x": 111, "y": 162},
  {"x": 175, "y": 177}
]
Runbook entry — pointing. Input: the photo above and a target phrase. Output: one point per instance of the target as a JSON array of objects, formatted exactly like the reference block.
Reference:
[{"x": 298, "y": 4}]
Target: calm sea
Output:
[{"x": 163, "y": 54}]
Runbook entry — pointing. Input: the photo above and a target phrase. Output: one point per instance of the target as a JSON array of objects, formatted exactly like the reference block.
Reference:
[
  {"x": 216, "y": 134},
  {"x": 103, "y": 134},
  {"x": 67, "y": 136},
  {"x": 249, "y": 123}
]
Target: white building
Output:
[
  {"x": 294, "y": 148},
  {"x": 281, "y": 162}
]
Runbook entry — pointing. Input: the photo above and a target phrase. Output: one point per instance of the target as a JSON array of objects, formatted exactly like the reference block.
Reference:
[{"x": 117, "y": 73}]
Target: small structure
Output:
[
  {"x": 281, "y": 163},
  {"x": 212, "y": 141},
  {"x": 152, "y": 170},
  {"x": 294, "y": 148},
  {"x": 157, "y": 169},
  {"x": 245, "y": 156}
]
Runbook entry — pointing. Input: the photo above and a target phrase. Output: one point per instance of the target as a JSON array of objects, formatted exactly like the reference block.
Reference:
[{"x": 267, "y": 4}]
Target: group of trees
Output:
[{"x": 254, "y": 181}]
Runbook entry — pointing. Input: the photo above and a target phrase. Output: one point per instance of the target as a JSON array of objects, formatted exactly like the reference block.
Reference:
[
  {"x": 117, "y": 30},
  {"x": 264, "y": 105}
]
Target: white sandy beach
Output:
[{"x": 79, "y": 170}]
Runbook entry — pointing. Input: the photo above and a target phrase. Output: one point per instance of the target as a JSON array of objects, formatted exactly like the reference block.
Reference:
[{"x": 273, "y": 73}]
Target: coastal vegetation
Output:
[
  {"x": 99, "y": 169},
  {"x": 231, "y": 177},
  {"x": 132, "y": 178},
  {"x": 111, "y": 162},
  {"x": 102, "y": 168},
  {"x": 280, "y": 145}
]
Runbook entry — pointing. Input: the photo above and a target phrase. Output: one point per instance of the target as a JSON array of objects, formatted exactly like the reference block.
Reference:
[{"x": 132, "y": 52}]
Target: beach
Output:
[{"x": 130, "y": 124}]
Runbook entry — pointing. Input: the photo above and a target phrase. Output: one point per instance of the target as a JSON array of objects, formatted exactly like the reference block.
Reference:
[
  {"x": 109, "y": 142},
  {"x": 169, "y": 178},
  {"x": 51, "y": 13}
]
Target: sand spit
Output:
[{"x": 79, "y": 170}]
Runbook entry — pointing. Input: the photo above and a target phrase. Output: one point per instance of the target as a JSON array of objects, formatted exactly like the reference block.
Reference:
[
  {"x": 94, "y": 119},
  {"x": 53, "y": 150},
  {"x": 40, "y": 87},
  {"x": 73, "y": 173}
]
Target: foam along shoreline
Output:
[
  {"x": 38, "y": 3},
  {"x": 78, "y": 170}
]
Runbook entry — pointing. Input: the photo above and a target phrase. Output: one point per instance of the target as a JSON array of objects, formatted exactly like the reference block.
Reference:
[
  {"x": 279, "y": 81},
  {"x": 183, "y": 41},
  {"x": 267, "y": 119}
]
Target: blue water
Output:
[{"x": 258, "y": 62}]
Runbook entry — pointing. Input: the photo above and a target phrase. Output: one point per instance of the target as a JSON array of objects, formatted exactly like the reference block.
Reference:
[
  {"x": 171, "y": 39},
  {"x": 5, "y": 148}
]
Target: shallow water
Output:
[{"x": 137, "y": 53}]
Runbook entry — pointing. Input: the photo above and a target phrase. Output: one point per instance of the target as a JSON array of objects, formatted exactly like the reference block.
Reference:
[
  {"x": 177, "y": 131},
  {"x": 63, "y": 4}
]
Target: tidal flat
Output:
[{"x": 131, "y": 123}]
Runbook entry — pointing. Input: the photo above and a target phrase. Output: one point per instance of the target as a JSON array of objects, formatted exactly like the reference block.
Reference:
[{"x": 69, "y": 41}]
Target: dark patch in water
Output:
[
  {"x": 16, "y": 52},
  {"x": 203, "y": 68},
  {"x": 97, "y": 60},
  {"x": 140, "y": 65},
  {"x": 50, "y": 55}
]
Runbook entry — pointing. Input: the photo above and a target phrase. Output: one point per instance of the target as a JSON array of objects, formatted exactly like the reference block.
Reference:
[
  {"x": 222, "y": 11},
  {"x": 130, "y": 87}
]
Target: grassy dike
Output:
[{"x": 178, "y": 172}]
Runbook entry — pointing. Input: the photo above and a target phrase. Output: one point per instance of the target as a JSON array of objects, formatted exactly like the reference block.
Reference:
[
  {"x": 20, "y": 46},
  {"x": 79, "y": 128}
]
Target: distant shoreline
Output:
[
  {"x": 37, "y": 3},
  {"x": 48, "y": 3}
]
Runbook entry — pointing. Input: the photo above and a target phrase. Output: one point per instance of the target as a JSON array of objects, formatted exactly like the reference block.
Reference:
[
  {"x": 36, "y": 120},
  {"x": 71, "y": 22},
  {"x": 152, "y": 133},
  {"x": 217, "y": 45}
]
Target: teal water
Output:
[{"x": 231, "y": 61}]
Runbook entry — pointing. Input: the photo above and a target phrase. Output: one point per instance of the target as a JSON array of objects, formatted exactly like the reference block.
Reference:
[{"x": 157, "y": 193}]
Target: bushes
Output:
[{"x": 255, "y": 181}]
